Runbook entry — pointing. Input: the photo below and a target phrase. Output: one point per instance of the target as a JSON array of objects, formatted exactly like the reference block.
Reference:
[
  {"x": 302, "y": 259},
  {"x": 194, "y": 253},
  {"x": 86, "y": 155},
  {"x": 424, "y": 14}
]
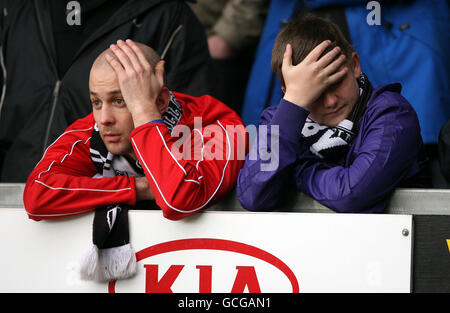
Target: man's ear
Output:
[
  {"x": 162, "y": 102},
  {"x": 283, "y": 89}
]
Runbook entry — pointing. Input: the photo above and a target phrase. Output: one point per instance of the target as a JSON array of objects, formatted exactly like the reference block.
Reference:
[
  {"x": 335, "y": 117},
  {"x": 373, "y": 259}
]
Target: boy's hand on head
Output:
[
  {"x": 139, "y": 84},
  {"x": 306, "y": 81}
]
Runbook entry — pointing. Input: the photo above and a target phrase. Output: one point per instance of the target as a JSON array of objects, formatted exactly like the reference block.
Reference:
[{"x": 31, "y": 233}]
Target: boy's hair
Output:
[{"x": 304, "y": 34}]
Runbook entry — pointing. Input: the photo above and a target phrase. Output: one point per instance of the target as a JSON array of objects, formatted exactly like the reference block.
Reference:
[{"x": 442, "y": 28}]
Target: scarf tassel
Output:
[{"x": 103, "y": 265}]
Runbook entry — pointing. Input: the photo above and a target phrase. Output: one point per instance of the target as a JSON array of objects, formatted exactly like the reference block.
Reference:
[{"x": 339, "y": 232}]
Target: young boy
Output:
[{"x": 340, "y": 141}]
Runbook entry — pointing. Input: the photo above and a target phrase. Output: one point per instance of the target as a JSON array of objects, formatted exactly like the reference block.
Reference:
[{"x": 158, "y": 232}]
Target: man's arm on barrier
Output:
[
  {"x": 185, "y": 182},
  {"x": 62, "y": 183}
]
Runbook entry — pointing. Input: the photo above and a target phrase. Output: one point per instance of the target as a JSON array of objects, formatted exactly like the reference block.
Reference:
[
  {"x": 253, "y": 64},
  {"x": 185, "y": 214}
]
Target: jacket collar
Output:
[{"x": 396, "y": 87}]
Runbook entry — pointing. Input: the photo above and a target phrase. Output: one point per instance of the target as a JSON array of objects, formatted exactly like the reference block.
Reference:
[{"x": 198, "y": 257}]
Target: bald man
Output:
[{"x": 141, "y": 142}]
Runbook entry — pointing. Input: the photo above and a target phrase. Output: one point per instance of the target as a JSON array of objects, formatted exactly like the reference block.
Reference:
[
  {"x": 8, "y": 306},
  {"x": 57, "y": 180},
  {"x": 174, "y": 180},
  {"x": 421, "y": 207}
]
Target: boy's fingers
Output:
[
  {"x": 329, "y": 57},
  {"x": 317, "y": 51},
  {"x": 287, "y": 57},
  {"x": 335, "y": 65},
  {"x": 336, "y": 77}
]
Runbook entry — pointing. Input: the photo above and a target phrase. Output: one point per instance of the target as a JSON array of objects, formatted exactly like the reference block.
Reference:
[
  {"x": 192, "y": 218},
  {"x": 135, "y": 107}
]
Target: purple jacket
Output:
[{"x": 386, "y": 153}]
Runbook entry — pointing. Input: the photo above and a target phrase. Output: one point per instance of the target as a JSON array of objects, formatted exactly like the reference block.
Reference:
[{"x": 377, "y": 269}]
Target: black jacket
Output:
[{"x": 37, "y": 105}]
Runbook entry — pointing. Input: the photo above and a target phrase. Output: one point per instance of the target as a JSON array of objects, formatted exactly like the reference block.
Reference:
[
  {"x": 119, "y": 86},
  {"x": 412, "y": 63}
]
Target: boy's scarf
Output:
[
  {"x": 111, "y": 256},
  {"x": 331, "y": 143}
]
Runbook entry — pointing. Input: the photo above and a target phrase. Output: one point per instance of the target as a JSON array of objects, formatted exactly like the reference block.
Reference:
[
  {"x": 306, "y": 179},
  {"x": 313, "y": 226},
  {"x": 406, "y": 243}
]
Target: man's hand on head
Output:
[
  {"x": 306, "y": 81},
  {"x": 139, "y": 84}
]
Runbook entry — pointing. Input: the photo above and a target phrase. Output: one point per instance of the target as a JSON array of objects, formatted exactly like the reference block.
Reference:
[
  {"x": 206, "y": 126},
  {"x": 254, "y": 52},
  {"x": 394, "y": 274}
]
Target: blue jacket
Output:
[
  {"x": 386, "y": 153},
  {"x": 410, "y": 47}
]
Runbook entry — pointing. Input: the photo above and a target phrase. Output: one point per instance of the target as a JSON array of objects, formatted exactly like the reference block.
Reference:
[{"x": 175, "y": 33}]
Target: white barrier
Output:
[
  {"x": 217, "y": 252},
  {"x": 402, "y": 201}
]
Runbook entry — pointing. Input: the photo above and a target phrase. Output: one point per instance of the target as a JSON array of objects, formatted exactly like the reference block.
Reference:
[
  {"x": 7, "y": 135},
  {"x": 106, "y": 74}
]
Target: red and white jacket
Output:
[{"x": 62, "y": 184}]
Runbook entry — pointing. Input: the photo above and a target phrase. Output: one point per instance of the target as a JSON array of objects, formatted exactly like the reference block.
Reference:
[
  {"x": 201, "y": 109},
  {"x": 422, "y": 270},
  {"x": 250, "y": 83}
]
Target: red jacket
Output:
[{"x": 61, "y": 185}]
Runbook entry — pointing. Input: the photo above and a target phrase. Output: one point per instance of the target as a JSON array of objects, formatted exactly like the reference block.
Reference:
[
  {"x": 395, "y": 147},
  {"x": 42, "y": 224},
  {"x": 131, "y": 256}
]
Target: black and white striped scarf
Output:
[
  {"x": 331, "y": 143},
  {"x": 111, "y": 256}
]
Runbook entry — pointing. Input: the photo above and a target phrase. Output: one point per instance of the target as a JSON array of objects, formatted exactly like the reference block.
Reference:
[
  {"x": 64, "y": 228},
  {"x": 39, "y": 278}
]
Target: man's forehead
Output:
[
  {"x": 101, "y": 62},
  {"x": 101, "y": 69},
  {"x": 102, "y": 79}
]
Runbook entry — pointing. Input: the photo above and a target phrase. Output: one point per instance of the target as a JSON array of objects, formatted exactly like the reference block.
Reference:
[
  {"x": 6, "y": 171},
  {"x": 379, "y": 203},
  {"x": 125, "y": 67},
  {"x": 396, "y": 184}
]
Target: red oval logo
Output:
[{"x": 215, "y": 244}]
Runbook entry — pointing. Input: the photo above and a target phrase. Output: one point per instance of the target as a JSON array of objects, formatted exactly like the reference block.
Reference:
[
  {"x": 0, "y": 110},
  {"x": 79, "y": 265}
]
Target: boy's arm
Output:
[
  {"x": 260, "y": 189},
  {"x": 387, "y": 155},
  {"x": 62, "y": 184}
]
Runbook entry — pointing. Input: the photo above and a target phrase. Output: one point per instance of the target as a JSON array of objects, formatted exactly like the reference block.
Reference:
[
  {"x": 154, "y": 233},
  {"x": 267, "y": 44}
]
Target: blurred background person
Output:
[{"x": 233, "y": 28}]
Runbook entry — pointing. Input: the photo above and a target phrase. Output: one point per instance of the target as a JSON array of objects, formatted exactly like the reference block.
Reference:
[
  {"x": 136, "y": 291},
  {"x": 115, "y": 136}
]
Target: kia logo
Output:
[{"x": 246, "y": 275}]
